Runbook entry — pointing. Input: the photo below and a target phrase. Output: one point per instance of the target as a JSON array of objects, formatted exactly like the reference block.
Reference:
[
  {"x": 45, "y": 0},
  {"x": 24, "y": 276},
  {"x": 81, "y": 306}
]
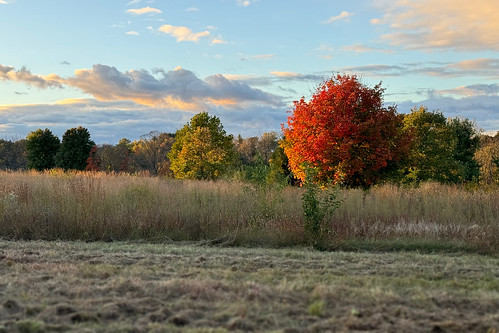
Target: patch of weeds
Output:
[
  {"x": 318, "y": 202},
  {"x": 30, "y": 326},
  {"x": 316, "y": 308}
]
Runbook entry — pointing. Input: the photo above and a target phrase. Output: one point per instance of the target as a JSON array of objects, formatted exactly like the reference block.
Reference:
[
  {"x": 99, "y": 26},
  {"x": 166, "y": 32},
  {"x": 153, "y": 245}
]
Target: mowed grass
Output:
[
  {"x": 178, "y": 287},
  {"x": 55, "y": 205}
]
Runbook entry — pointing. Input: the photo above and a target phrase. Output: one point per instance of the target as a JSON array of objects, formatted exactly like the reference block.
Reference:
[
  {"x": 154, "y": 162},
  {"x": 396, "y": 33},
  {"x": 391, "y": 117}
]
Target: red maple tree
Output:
[{"x": 344, "y": 132}]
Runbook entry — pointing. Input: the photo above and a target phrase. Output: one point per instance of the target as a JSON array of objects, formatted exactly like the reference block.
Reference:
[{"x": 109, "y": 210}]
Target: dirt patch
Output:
[{"x": 105, "y": 287}]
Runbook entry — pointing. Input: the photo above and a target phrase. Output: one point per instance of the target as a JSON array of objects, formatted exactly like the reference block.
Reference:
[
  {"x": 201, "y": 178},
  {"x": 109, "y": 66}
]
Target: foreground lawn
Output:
[{"x": 139, "y": 287}]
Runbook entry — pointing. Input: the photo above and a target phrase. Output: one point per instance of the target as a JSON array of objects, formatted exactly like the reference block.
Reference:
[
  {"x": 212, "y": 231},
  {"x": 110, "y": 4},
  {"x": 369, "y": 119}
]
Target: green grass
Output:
[
  {"x": 173, "y": 287},
  {"x": 55, "y": 205}
]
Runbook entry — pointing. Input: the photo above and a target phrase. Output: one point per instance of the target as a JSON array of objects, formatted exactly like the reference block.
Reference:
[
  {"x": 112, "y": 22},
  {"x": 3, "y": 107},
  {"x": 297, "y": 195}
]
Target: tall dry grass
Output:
[{"x": 97, "y": 206}]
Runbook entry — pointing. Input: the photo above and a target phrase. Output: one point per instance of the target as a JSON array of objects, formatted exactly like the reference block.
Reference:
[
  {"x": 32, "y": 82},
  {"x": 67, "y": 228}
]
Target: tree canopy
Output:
[
  {"x": 75, "y": 149},
  {"x": 202, "y": 149},
  {"x": 344, "y": 132},
  {"x": 41, "y": 147}
]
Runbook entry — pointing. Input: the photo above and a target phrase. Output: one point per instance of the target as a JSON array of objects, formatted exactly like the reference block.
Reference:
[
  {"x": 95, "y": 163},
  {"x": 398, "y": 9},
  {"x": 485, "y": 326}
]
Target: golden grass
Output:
[{"x": 96, "y": 206}]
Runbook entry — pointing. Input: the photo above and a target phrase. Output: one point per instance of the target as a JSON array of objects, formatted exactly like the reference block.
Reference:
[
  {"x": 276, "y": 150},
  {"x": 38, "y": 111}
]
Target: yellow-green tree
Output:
[
  {"x": 488, "y": 158},
  {"x": 202, "y": 149},
  {"x": 431, "y": 156}
]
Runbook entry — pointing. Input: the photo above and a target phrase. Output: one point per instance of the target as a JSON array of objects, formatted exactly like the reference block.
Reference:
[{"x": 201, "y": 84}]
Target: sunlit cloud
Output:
[
  {"x": 145, "y": 10},
  {"x": 183, "y": 34},
  {"x": 218, "y": 41},
  {"x": 360, "y": 48},
  {"x": 8, "y": 73},
  {"x": 342, "y": 16},
  {"x": 3, "y": 2},
  {"x": 446, "y": 24},
  {"x": 133, "y": 33},
  {"x": 264, "y": 56},
  {"x": 243, "y": 3},
  {"x": 179, "y": 88}
]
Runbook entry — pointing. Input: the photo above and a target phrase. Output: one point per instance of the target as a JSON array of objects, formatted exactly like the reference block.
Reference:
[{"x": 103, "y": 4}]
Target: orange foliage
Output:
[{"x": 345, "y": 132}]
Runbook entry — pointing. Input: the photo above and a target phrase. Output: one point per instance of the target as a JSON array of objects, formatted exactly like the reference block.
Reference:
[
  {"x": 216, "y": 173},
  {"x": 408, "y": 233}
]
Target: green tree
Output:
[
  {"x": 468, "y": 142},
  {"x": 432, "y": 153},
  {"x": 75, "y": 149},
  {"x": 13, "y": 155},
  {"x": 202, "y": 149},
  {"x": 41, "y": 148}
]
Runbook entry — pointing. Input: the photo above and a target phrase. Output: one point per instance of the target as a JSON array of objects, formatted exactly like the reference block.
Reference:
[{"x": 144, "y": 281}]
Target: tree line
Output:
[{"x": 344, "y": 134}]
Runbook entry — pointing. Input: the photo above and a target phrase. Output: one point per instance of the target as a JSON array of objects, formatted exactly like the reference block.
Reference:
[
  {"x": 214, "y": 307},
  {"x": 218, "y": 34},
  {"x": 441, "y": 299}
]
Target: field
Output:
[
  {"x": 139, "y": 287},
  {"x": 90, "y": 252},
  {"x": 95, "y": 206}
]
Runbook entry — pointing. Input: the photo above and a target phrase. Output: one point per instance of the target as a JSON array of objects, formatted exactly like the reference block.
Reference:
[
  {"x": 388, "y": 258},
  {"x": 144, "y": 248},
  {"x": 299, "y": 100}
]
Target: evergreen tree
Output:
[
  {"x": 41, "y": 147},
  {"x": 75, "y": 149}
]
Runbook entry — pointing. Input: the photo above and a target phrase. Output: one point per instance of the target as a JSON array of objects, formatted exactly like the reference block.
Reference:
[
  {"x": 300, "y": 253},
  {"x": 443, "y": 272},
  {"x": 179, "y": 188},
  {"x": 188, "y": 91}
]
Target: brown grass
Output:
[
  {"x": 132, "y": 287},
  {"x": 96, "y": 206}
]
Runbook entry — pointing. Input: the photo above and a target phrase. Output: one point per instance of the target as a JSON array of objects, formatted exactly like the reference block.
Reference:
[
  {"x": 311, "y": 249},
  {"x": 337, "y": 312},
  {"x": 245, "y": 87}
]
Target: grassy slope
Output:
[{"x": 57, "y": 286}]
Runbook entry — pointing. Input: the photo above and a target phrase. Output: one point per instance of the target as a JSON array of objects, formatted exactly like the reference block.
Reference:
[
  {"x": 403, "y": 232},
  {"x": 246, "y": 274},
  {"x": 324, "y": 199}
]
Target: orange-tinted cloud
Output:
[
  {"x": 445, "y": 24},
  {"x": 177, "y": 89},
  {"x": 183, "y": 34}
]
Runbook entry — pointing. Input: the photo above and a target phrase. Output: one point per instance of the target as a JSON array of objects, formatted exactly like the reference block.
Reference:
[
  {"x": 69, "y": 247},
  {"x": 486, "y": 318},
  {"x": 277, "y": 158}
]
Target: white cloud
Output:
[
  {"x": 192, "y": 9},
  {"x": 342, "y": 16},
  {"x": 133, "y": 2},
  {"x": 3, "y": 2},
  {"x": 461, "y": 25},
  {"x": 183, "y": 34},
  {"x": 134, "y": 33},
  {"x": 145, "y": 10}
]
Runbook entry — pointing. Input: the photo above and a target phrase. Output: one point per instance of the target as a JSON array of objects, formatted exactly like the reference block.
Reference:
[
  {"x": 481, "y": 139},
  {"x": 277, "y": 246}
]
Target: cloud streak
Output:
[
  {"x": 142, "y": 11},
  {"x": 460, "y": 25},
  {"x": 481, "y": 67},
  {"x": 342, "y": 16}
]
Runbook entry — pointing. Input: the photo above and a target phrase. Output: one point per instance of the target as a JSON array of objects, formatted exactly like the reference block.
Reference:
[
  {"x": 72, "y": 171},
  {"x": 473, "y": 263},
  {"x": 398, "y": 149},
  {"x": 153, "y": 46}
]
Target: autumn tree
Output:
[
  {"x": 75, "y": 149},
  {"x": 116, "y": 158},
  {"x": 488, "y": 158},
  {"x": 151, "y": 152},
  {"x": 42, "y": 147},
  {"x": 344, "y": 132},
  {"x": 202, "y": 149}
]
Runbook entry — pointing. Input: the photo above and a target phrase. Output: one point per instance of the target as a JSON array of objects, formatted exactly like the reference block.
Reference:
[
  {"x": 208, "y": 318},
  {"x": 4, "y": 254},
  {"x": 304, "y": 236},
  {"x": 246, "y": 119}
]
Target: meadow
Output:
[
  {"x": 55, "y": 205},
  {"x": 96, "y": 252},
  {"x": 177, "y": 287}
]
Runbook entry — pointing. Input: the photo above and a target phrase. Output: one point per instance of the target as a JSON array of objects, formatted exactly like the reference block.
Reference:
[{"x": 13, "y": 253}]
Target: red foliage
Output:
[
  {"x": 93, "y": 162},
  {"x": 344, "y": 131}
]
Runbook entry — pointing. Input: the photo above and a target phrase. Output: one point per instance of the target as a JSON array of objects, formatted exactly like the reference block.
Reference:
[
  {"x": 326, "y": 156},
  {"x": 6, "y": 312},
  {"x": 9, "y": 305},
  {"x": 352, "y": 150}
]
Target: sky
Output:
[{"x": 125, "y": 68}]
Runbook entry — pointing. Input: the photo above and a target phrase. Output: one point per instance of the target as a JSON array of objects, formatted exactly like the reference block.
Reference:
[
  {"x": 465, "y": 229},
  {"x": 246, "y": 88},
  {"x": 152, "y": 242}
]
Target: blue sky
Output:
[{"x": 125, "y": 68}]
